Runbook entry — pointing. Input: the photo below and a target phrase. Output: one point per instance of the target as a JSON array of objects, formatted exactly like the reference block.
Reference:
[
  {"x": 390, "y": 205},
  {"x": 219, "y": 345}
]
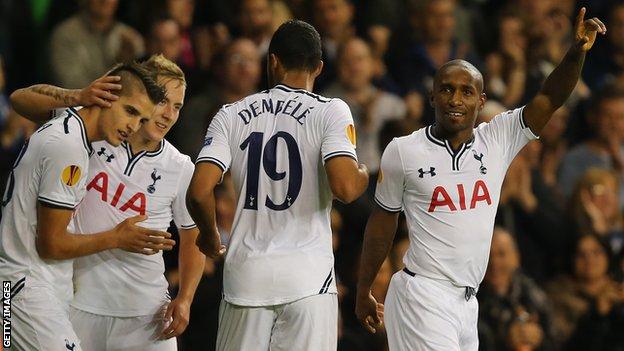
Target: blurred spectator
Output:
[
  {"x": 370, "y": 106},
  {"x": 182, "y": 11},
  {"x": 607, "y": 62},
  {"x": 84, "y": 46},
  {"x": 491, "y": 108},
  {"x": 334, "y": 21},
  {"x": 415, "y": 109},
  {"x": 554, "y": 147},
  {"x": 534, "y": 212},
  {"x": 506, "y": 67},
  {"x": 416, "y": 52},
  {"x": 588, "y": 303},
  {"x": 595, "y": 208},
  {"x": 238, "y": 74},
  {"x": 256, "y": 23},
  {"x": 511, "y": 304},
  {"x": 605, "y": 148}
]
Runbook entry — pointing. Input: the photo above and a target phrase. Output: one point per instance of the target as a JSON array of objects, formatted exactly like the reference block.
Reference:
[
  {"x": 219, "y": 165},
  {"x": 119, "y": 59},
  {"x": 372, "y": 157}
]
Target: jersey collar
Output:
[
  {"x": 455, "y": 155},
  {"x": 83, "y": 130}
]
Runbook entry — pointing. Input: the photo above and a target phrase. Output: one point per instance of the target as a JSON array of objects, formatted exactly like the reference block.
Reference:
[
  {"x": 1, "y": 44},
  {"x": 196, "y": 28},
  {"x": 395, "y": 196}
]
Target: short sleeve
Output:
[
  {"x": 63, "y": 174},
  {"x": 216, "y": 147},
  {"x": 510, "y": 132},
  {"x": 391, "y": 179},
  {"x": 181, "y": 216},
  {"x": 339, "y": 137}
]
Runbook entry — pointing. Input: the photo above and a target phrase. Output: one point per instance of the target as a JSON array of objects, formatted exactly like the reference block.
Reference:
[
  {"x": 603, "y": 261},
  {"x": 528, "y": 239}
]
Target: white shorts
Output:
[
  {"x": 427, "y": 314},
  {"x": 307, "y": 324},
  {"x": 40, "y": 322},
  {"x": 108, "y": 333}
]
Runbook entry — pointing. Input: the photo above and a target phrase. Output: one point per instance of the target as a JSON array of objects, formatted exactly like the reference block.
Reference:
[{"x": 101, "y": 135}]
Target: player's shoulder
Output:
[
  {"x": 174, "y": 157},
  {"x": 65, "y": 132}
]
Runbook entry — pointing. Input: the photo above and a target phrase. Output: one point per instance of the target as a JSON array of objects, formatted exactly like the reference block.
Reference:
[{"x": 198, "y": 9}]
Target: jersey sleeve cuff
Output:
[
  {"x": 188, "y": 226},
  {"x": 525, "y": 129},
  {"x": 387, "y": 208},
  {"x": 331, "y": 155},
  {"x": 56, "y": 203},
  {"x": 212, "y": 160}
]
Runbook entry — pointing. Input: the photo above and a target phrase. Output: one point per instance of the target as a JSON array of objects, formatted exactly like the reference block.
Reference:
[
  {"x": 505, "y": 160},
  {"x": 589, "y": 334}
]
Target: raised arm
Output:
[
  {"x": 561, "y": 82},
  {"x": 347, "y": 179},
  {"x": 36, "y": 101},
  {"x": 200, "y": 201}
]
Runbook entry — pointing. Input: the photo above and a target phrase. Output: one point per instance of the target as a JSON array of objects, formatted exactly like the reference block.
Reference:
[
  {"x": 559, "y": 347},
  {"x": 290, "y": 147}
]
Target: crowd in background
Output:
[{"x": 555, "y": 279}]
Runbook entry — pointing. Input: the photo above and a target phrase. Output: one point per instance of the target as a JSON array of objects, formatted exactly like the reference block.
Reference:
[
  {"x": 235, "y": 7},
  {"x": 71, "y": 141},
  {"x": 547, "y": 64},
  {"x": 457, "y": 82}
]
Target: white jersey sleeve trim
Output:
[
  {"x": 525, "y": 129},
  {"x": 212, "y": 160}
]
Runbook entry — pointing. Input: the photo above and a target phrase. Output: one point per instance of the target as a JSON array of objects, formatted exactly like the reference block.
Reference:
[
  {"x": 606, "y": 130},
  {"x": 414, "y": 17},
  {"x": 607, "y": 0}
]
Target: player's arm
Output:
[
  {"x": 347, "y": 179},
  {"x": 201, "y": 204},
  {"x": 378, "y": 238},
  {"x": 54, "y": 242},
  {"x": 191, "y": 267},
  {"x": 561, "y": 82},
  {"x": 36, "y": 101}
]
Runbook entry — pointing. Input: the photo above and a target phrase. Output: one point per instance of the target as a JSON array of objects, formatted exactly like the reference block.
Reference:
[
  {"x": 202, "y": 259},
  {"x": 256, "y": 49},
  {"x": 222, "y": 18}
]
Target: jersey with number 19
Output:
[{"x": 276, "y": 143}]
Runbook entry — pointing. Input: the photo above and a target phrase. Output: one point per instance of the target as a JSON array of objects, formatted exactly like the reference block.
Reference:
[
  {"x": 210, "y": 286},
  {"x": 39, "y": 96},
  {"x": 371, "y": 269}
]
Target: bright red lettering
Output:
[
  {"x": 103, "y": 189},
  {"x": 446, "y": 199},
  {"x": 462, "y": 196},
  {"x": 130, "y": 204},
  {"x": 117, "y": 195},
  {"x": 476, "y": 197}
]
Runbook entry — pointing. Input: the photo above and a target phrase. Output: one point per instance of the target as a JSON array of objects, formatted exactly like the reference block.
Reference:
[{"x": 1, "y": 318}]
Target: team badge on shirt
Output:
[
  {"x": 152, "y": 187},
  {"x": 480, "y": 159},
  {"x": 71, "y": 175},
  {"x": 351, "y": 134}
]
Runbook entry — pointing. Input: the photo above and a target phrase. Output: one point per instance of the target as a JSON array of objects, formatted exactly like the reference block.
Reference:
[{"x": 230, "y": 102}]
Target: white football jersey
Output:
[
  {"x": 52, "y": 169},
  {"x": 450, "y": 197},
  {"x": 276, "y": 143},
  {"x": 120, "y": 185}
]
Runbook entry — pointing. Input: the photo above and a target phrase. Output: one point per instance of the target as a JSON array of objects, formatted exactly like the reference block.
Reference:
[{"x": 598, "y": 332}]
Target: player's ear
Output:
[
  {"x": 318, "y": 69},
  {"x": 482, "y": 100},
  {"x": 431, "y": 99},
  {"x": 273, "y": 62}
]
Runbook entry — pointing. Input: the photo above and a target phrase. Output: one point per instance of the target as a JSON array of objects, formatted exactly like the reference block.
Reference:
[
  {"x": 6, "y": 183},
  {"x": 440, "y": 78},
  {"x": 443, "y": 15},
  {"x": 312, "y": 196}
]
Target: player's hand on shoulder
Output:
[
  {"x": 369, "y": 312},
  {"x": 210, "y": 245},
  {"x": 101, "y": 92},
  {"x": 133, "y": 238}
]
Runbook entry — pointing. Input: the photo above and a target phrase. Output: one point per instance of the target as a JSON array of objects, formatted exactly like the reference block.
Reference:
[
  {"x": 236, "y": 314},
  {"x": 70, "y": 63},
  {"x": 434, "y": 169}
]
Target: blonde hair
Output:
[{"x": 165, "y": 68}]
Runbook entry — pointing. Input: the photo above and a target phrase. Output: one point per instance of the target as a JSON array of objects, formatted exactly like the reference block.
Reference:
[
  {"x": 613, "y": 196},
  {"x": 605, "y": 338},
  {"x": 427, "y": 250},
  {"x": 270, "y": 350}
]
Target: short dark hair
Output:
[
  {"x": 612, "y": 90},
  {"x": 133, "y": 73},
  {"x": 297, "y": 45}
]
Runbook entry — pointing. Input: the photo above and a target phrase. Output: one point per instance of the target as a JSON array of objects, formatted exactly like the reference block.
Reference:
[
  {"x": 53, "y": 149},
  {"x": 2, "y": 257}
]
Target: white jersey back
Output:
[
  {"x": 450, "y": 197},
  {"x": 51, "y": 169},
  {"x": 122, "y": 184},
  {"x": 275, "y": 143}
]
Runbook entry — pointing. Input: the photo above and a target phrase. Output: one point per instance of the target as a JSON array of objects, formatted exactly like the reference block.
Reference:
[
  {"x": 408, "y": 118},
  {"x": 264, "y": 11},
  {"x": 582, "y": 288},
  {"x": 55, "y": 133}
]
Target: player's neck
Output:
[
  {"x": 456, "y": 139},
  {"x": 298, "y": 80},
  {"x": 139, "y": 143},
  {"x": 90, "y": 117}
]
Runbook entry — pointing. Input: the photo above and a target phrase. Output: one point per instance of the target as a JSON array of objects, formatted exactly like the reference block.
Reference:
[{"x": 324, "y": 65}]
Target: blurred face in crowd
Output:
[
  {"x": 616, "y": 27},
  {"x": 102, "y": 9},
  {"x": 333, "y": 17},
  {"x": 504, "y": 258},
  {"x": 256, "y": 17},
  {"x": 165, "y": 39},
  {"x": 167, "y": 112},
  {"x": 610, "y": 119},
  {"x": 242, "y": 67},
  {"x": 512, "y": 32},
  {"x": 556, "y": 126},
  {"x": 439, "y": 21},
  {"x": 604, "y": 195},
  {"x": 355, "y": 65},
  {"x": 182, "y": 11},
  {"x": 457, "y": 97},
  {"x": 591, "y": 261}
]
